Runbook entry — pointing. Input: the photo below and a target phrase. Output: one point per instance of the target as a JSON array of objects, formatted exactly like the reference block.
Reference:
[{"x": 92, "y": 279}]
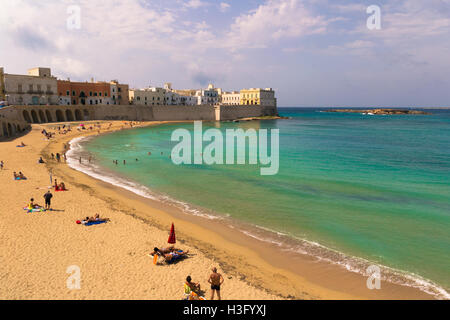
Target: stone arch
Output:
[
  {"x": 5, "y": 130},
  {"x": 42, "y": 116},
  {"x": 10, "y": 129},
  {"x": 60, "y": 116},
  {"x": 69, "y": 115},
  {"x": 78, "y": 116},
  {"x": 26, "y": 116},
  {"x": 49, "y": 116},
  {"x": 86, "y": 114},
  {"x": 34, "y": 116}
]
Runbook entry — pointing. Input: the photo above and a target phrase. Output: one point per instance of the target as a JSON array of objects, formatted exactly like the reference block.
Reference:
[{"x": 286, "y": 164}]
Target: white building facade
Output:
[
  {"x": 231, "y": 98},
  {"x": 36, "y": 88}
]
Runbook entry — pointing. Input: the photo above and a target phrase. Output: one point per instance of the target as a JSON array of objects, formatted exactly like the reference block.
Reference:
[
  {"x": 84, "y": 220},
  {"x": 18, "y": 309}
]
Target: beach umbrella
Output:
[{"x": 172, "y": 239}]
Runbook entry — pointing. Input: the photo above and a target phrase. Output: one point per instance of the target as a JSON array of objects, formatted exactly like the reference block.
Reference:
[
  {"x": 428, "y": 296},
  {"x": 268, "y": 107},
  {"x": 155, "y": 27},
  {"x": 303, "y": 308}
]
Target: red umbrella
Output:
[{"x": 172, "y": 239}]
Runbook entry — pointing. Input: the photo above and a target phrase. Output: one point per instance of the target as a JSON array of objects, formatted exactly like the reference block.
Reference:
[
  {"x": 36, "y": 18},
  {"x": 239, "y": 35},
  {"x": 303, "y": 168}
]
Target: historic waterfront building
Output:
[
  {"x": 39, "y": 87},
  {"x": 84, "y": 93},
  {"x": 210, "y": 95},
  {"x": 120, "y": 93},
  {"x": 258, "y": 96},
  {"x": 231, "y": 98},
  {"x": 148, "y": 97}
]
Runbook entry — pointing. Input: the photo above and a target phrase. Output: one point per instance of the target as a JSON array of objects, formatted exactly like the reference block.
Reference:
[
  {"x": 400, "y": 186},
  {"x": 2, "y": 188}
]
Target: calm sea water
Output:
[{"x": 371, "y": 187}]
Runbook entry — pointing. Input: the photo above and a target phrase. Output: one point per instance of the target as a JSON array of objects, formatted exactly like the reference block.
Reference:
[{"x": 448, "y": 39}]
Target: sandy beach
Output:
[{"x": 37, "y": 248}]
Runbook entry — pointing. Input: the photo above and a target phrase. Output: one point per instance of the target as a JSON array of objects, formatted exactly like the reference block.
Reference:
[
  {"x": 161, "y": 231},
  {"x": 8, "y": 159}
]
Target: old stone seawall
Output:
[{"x": 16, "y": 119}]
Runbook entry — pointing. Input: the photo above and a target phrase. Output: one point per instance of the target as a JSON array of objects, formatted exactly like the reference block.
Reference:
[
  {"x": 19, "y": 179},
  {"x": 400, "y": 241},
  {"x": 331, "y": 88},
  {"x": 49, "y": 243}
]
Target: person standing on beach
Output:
[
  {"x": 48, "y": 196},
  {"x": 58, "y": 157},
  {"x": 216, "y": 280},
  {"x": 1, "y": 165}
]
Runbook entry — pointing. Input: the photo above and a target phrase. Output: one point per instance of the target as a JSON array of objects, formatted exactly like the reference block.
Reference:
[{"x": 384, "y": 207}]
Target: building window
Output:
[
  {"x": 106, "y": 94},
  {"x": 100, "y": 94},
  {"x": 67, "y": 93},
  {"x": 119, "y": 89},
  {"x": 19, "y": 88},
  {"x": 90, "y": 93},
  {"x": 95, "y": 94},
  {"x": 73, "y": 93}
]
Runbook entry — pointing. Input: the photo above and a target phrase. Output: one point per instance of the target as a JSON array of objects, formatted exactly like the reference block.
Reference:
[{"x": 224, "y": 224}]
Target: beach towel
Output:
[
  {"x": 34, "y": 210},
  {"x": 94, "y": 223},
  {"x": 20, "y": 178}
]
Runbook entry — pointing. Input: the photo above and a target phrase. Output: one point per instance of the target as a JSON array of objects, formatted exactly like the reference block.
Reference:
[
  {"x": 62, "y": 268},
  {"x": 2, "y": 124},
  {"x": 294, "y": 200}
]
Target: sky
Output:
[{"x": 317, "y": 53}]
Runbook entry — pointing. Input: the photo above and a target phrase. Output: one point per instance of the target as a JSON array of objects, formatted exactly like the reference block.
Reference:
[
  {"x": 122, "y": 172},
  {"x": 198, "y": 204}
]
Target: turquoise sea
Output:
[{"x": 351, "y": 188}]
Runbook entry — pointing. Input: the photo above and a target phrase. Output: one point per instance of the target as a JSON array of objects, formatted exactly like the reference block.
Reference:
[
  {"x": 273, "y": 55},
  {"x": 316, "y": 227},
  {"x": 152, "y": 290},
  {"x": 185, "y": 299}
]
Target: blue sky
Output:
[{"x": 312, "y": 52}]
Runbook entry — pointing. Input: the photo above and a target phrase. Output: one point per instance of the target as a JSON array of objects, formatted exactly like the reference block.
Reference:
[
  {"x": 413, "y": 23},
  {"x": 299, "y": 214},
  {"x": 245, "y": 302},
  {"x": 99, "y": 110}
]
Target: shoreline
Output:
[
  {"x": 232, "y": 229},
  {"x": 261, "y": 266}
]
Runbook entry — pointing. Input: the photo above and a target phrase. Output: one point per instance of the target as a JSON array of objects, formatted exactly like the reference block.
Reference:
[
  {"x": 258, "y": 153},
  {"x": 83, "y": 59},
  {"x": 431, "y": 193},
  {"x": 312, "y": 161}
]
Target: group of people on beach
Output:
[
  {"x": 19, "y": 176},
  {"x": 58, "y": 157},
  {"x": 192, "y": 290},
  {"x": 59, "y": 187},
  {"x": 47, "y": 197}
]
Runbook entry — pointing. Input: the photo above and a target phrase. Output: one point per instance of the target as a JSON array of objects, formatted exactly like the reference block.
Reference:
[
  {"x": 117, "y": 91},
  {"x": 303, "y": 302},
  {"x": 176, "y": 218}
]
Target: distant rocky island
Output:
[{"x": 379, "y": 111}]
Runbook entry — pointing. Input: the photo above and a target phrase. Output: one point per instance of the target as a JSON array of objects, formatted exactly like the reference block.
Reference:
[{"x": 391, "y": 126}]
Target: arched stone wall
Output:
[
  {"x": 69, "y": 115},
  {"x": 48, "y": 114},
  {"x": 34, "y": 117},
  {"x": 60, "y": 116},
  {"x": 26, "y": 116},
  {"x": 42, "y": 116},
  {"x": 78, "y": 115}
]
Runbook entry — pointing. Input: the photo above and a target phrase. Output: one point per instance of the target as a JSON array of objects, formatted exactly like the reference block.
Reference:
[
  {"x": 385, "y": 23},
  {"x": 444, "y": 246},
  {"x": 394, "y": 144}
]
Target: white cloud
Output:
[
  {"x": 224, "y": 7},
  {"x": 274, "y": 20},
  {"x": 195, "y": 4}
]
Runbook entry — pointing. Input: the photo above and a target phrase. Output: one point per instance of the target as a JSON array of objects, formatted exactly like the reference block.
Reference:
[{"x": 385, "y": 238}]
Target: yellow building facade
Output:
[{"x": 258, "y": 96}]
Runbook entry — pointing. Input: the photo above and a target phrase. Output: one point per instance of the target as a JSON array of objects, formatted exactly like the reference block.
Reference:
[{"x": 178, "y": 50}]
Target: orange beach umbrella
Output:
[{"x": 172, "y": 238}]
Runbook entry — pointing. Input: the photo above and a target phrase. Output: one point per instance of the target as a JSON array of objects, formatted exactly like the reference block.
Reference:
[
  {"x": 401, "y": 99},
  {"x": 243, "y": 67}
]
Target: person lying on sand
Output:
[
  {"x": 164, "y": 250},
  {"x": 94, "y": 219},
  {"x": 21, "y": 176},
  {"x": 41, "y": 160},
  {"x": 172, "y": 256},
  {"x": 15, "y": 175}
]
